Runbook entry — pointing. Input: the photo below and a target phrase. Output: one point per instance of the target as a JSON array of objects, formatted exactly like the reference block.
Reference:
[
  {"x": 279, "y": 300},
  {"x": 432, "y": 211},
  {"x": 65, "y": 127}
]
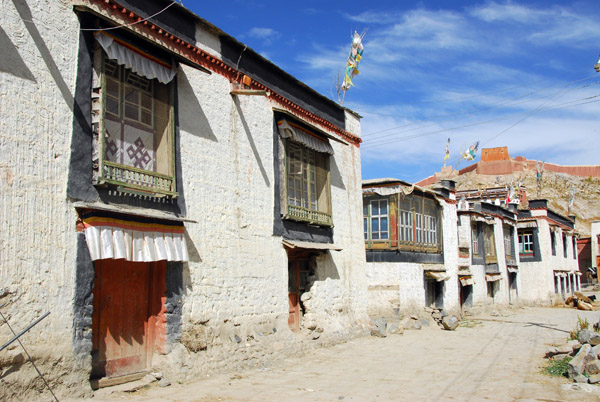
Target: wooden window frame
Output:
[
  {"x": 314, "y": 185},
  {"x": 377, "y": 217},
  {"x": 489, "y": 244},
  {"x": 526, "y": 238},
  {"x": 159, "y": 182},
  {"x": 424, "y": 231},
  {"x": 509, "y": 244}
]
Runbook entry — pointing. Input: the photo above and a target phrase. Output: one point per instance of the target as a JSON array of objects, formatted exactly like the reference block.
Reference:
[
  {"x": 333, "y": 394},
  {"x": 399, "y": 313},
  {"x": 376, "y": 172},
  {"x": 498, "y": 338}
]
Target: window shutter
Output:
[{"x": 323, "y": 185}]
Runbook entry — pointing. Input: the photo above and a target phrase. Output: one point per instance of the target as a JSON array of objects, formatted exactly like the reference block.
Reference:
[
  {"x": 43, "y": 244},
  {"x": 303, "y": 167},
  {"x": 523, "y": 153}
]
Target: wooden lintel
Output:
[{"x": 253, "y": 92}]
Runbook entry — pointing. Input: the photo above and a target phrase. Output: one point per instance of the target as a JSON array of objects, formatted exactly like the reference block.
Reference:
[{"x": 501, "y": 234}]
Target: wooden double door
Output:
[
  {"x": 298, "y": 273},
  {"x": 127, "y": 300}
]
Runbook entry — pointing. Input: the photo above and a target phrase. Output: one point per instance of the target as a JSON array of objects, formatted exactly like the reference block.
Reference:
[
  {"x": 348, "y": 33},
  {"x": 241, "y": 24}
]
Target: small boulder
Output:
[
  {"x": 164, "y": 382},
  {"x": 584, "y": 336},
  {"x": 564, "y": 349},
  {"x": 577, "y": 363},
  {"x": 592, "y": 367},
  {"x": 581, "y": 379},
  {"x": 395, "y": 328},
  {"x": 594, "y": 338},
  {"x": 594, "y": 379},
  {"x": 378, "y": 327},
  {"x": 595, "y": 351},
  {"x": 450, "y": 322},
  {"x": 551, "y": 352}
]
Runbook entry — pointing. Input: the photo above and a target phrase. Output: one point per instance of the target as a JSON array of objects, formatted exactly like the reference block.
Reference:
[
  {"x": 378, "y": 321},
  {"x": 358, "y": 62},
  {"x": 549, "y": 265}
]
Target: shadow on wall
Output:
[
  {"x": 251, "y": 141},
  {"x": 11, "y": 61},
  {"x": 336, "y": 175},
  {"x": 191, "y": 116},
  {"x": 27, "y": 17},
  {"x": 326, "y": 268},
  {"x": 192, "y": 250}
]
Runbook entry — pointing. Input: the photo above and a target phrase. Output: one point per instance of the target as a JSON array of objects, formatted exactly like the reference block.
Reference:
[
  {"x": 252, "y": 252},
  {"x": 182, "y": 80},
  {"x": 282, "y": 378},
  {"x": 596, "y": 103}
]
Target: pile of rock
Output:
[
  {"x": 584, "y": 367},
  {"x": 448, "y": 322}
]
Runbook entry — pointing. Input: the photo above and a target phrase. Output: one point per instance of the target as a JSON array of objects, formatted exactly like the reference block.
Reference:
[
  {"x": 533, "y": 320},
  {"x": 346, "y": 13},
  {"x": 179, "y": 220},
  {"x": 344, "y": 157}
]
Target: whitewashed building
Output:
[
  {"x": 410, "y": 238},
  {"x": 548, "y": 254},
  {"x": 174, "y": 199},
  {"x": 488, "y": 269}
]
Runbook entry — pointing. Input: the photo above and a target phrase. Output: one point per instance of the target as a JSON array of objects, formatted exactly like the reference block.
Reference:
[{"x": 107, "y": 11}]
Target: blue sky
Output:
[{"x": 509, "y": 73}]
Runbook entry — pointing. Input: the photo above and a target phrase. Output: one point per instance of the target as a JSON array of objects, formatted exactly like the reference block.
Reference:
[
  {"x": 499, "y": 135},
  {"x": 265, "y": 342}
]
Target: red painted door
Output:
[
  {"x": 294, "y": 295},
  {"x": 120, "y": 320}
]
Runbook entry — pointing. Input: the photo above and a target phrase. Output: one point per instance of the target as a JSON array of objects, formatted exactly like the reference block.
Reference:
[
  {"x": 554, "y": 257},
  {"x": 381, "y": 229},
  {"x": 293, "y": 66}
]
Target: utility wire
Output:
[
  {"x": 405, "y": 138},
  {"x": 130, "y": 24},
  {"x": 476, "y": 109},
  {"x": 368, "y": 142}
]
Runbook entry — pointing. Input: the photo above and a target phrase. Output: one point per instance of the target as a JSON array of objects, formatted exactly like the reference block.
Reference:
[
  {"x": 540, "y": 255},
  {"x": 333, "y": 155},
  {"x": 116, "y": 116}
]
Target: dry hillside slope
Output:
[{"x": 556, "y": 188}]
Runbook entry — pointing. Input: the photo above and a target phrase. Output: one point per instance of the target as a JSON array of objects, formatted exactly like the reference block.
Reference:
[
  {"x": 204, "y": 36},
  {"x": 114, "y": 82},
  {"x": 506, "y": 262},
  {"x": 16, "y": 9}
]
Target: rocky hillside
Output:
[{"x": 556, "y": 188}]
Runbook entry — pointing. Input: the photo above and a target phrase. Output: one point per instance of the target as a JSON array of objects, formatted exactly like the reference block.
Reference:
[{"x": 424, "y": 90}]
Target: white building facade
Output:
[{"x": 166, "y": 185}]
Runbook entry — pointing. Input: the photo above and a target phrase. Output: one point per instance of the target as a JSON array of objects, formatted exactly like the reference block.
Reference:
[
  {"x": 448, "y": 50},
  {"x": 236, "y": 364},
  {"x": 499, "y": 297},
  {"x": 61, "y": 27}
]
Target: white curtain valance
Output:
[
  {"x": 136, "y": 62},
  {"x": 288, "y": 130},
  {"x": 438, "y": 276},
  {"x": 115, "y": 238},
  {"x": 513, "y": 270},
  {"x": 467, "y": 281},
  {"x": 527, "y": 224},
  {"x": 493, "y": 278},
  {"x": 389, "y": 190}
]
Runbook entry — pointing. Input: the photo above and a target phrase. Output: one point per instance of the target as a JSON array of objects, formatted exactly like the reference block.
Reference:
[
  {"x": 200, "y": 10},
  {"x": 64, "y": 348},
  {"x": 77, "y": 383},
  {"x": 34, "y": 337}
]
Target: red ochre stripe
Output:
[{"x": 142, "y": 227}]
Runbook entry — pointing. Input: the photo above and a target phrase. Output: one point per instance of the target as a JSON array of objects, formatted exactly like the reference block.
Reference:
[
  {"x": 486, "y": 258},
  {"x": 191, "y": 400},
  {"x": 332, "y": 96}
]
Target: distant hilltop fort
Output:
[{"x": 497, "y": 161}]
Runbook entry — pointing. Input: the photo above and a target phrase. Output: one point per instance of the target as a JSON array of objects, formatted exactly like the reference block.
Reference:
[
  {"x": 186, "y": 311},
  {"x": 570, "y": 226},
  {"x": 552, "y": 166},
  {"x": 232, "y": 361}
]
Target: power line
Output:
[
  {"x": 130, "y": 24},
  {"x": 481, "y": 109},
  {"x": 405, "y": 138}
]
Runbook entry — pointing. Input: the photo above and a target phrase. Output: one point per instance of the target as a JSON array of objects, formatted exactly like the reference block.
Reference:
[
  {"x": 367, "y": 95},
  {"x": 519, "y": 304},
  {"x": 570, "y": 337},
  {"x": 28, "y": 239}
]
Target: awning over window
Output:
[
  {"x": 133, "y": 238},
  {"x": 513, "y": 270},
  {"x": 133, "y": 60},
  {"x": 310, "y": 245},
  {"x": 527, "y": 224},
  {"x": 438, "y": 276},
  {"x": 290, "y": 130},
  {"x": 560, "y": 274},
  {"x": 467, "y": 281},
  {"x": 493, "y": 277}
]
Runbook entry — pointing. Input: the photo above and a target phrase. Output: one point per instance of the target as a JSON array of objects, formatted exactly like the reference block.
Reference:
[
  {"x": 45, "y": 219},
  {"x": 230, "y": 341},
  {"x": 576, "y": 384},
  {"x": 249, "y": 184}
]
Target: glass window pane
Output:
[
  {"x": 132, "y": 95},
  {"x": 375, "y": 225},
  {"x": 375, "y": 236},
  {"x": 112, "y": 88},
  {"x": 146, "y": 117},
  {"x": 146, "y": 101},
  {"x": 384, "y": 235},
  {"x": 384, "y": 224},
  {"x": 375, "y": 208},
  {"x": 365, "y": 209},
  {"x": 131, "y": 112},
  {"x": 112, "y": 106}
]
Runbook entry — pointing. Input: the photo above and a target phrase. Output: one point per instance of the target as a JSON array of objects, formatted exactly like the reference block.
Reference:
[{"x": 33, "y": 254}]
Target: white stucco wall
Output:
[
  {"x": 37, "y": 79},
  {"x": 538, "y": 277},
  {"x": 236, "y": 280},
  {"x": 400, "y": 285}
]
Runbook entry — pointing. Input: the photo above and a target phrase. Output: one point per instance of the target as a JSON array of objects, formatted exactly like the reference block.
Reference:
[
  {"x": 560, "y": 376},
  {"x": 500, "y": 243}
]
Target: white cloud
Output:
[{"x": 266, "y": 35}]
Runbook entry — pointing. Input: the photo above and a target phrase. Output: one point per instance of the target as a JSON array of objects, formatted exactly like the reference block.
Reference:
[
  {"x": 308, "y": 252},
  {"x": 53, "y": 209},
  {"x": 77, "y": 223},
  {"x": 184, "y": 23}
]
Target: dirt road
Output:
[{"x": 486, "y": 358}]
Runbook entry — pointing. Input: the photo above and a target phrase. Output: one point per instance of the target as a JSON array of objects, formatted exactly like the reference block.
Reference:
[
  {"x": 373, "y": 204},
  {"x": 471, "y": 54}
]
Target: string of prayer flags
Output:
[
  {"x": 471, "y": 153},
  {"x": 447, "y": 156},
  {"x": 356, "y": 52}
]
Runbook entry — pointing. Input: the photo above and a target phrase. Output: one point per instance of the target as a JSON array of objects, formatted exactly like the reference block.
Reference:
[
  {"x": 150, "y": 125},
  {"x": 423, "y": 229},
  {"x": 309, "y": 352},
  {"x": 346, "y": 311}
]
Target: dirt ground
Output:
[{"x": 491, "y": 358}]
